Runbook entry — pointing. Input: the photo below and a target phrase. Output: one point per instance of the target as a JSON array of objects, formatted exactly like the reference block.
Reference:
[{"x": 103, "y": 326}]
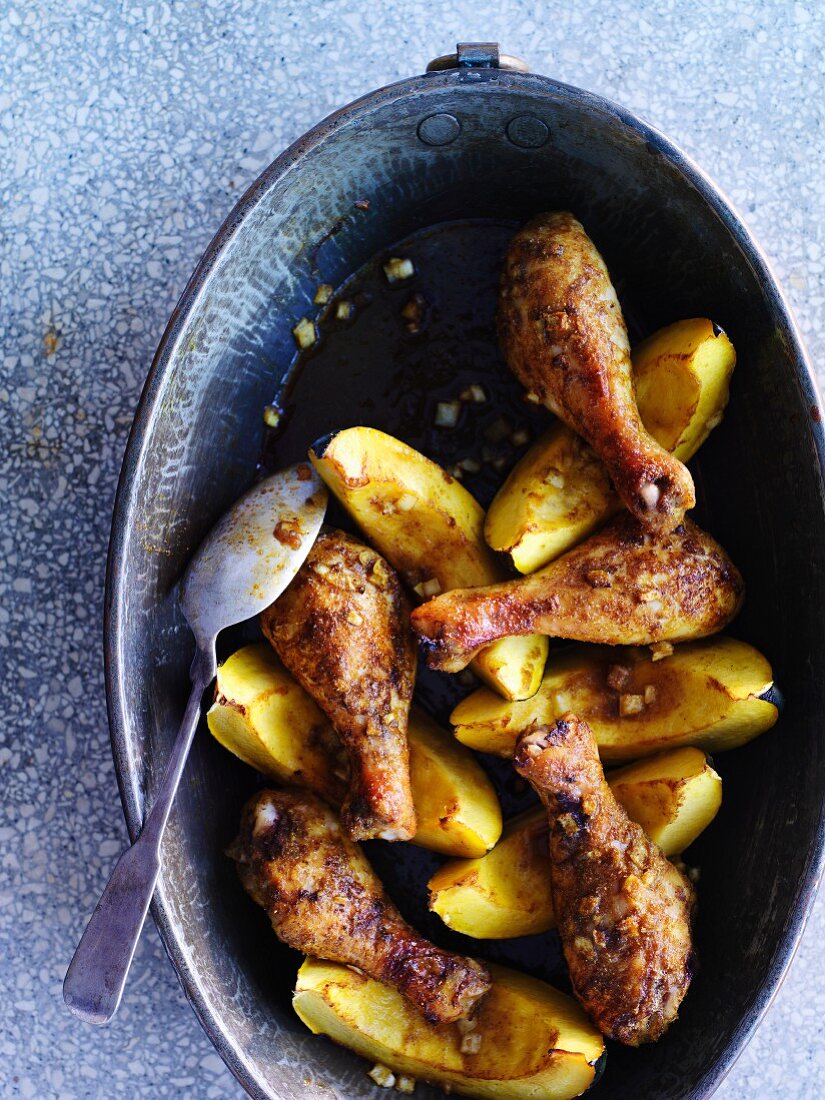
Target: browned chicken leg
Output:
[
  {"x": 622, "y": 586},
  {"x": 324, "y": 899},
  {"x": 564, "y": 337},
  {"x": 623, "y": 910},
  {"x": 342, "y": 629}
]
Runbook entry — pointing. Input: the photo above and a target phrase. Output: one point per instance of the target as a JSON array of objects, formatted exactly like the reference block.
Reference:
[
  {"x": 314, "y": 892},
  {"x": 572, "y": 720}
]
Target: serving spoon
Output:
[{"x": 243, "y": 564}]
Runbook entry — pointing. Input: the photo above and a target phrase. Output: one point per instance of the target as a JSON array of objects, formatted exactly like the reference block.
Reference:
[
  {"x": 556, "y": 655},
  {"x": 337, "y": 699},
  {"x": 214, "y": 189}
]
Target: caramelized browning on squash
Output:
[
  {"x": 707, "y": 693},
  {"x": 528, "y": 1039}
]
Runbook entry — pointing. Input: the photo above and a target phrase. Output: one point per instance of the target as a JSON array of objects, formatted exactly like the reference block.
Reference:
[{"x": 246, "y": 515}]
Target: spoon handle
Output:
[{"x": 97, "y": 973}]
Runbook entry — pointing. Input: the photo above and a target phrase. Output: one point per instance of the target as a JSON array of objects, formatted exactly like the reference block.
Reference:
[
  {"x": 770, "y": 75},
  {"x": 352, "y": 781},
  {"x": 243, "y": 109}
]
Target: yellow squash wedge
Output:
[
  {"x": 264, "y": 717},
  {"x": 267, "y": 719},
  {"x": 682, "y": 377},
  {"x": 559, "y": 492},
  {"x": 457, "y": 808},
  {"x": 532, "y": 1041},
  {"x": 674, "y": 796},
  {"x": 429, "y": 527},
  {"x": 706, "y": 693},
  {"x": 503, "y": 894}
]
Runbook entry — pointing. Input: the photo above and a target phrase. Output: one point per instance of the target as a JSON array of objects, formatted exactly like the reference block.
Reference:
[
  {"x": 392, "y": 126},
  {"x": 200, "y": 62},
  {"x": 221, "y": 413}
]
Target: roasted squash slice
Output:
[
  {"x": 264, "y": 717},
  {"x": 559, "y": 492},
  {"x": 267, "y": 719},
  {"x": 674, "y": 796},
  {"x": 707, "y": 693},
  {"x": 455, "y": 803},
  {"x": 429, "y": 527},
  {"x": 529, "y": 1039}
]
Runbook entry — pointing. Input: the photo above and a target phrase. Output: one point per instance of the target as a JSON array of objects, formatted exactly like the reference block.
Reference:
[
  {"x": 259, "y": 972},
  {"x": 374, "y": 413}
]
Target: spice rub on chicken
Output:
[
  {"x": 564, "y": 337},
  {"x": 342, "y": 629},
  {"x": 323, "y": 898},
  {"x": 623, "y": 910},
  {"x": 622, "y": 586}
]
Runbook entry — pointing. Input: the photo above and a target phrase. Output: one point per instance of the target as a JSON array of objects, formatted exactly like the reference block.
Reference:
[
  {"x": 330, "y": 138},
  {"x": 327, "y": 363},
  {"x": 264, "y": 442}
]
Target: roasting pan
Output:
[{"x": 441, "y": 168}]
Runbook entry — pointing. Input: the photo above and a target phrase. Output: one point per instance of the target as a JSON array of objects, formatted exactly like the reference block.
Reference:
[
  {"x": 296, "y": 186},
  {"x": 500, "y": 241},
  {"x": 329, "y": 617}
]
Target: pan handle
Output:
[{"x": 478, "y": 55}]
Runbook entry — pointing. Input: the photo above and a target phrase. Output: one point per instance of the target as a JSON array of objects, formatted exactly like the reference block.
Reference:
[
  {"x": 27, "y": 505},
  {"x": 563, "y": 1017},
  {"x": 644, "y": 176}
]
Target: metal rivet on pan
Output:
[
  {"x": 527, "y": 131},
  {"x": 439, "y": 129}
]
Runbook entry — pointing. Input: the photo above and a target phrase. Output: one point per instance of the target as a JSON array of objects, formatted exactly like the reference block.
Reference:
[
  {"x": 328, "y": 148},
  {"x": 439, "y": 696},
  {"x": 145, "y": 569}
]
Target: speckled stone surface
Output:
[{"x": 127, "y": 131}]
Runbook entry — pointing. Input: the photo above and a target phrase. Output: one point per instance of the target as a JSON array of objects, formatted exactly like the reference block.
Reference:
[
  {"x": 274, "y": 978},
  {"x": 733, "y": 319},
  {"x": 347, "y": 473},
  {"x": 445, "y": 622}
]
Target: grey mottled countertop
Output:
[{"x": 127, "y": 131}]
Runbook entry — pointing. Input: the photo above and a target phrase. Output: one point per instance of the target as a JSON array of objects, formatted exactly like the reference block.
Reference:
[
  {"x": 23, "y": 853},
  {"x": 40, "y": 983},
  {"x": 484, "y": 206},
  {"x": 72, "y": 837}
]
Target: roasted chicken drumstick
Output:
[
  {"x": 564, "y": 337},
  {"x": 342, "y": 629},
  {"x": 622, "y": 586},
  {"x": 324, "y": 899},
  {"x": 623, "y": 910}
]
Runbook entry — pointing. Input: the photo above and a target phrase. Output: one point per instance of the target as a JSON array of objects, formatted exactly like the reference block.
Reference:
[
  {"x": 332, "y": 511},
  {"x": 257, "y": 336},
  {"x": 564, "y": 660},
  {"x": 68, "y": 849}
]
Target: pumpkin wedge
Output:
[
  {"x": 708, "y": 693},
  {"x": 529, "y": 1039}
]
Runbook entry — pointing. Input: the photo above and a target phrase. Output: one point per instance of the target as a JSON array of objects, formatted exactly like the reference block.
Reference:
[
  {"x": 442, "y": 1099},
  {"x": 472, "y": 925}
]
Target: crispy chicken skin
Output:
[
  {"x": 324, "y": 899},
  {"x": 564, "y": 337},
  {"x": 622, "y": 586},
  {"x": 623, "y": 910},
  {"x": 342, "y": 629}
]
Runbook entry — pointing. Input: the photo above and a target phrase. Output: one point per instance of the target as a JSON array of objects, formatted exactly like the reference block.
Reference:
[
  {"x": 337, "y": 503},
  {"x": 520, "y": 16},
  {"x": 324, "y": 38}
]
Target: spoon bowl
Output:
[{"x": 253, "y": 551}]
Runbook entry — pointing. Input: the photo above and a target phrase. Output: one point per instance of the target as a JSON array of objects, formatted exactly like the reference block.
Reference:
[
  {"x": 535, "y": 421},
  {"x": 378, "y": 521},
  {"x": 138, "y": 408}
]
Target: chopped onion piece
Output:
[
  {"x": 406, "y": 502},
  {"x": 272, "y": 416},
  {"x": 344, "y": 310},
  {"x": 631, "y": 704},
  {"x": 475, "y": 393},
  {"x": 397, "y": 269},
  {"x": 305, "y": 333},
  {"x": 446, "y": 414},
  {"x": 471, "y": 465},
  {"x": 471, "y": 1044},
  {"x": 660, "y": 650},
  {"x": 383, "y": 1076},
  {"x": 323, "y": 294},
  {"x": 618, "y": 677},
  {"x": 413, "y": 313}
]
